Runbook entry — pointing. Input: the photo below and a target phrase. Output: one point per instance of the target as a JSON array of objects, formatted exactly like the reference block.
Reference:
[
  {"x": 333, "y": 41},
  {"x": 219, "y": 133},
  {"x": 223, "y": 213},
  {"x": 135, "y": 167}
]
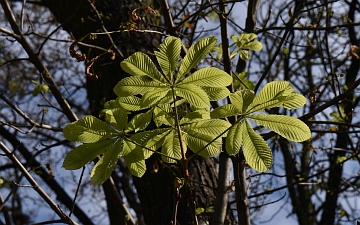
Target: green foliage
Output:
[
  {"x": 176, "y": 97},
  {"x": 39, "y": 88}
]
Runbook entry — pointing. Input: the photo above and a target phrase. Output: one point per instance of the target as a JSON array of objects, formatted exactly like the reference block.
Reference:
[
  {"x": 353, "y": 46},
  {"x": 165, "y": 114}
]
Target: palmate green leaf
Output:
[
  {"x": 139, "y": 64},
  {"x": 234, "y": 138},
  {"x": 272, "y": 95},
  {"x": 117, "y": 118},
  {"x": 294, "y": 101},
  {"x": 256, "y": 151},
  {"x": 195, "y": 116},
  {"x": 135, "y": 162},
  {"x": 287, "y": 126},
  {"x": 196, "y": 53},
  {"x": 209, "y": 77},
  {"x": 194, "y": 95},
  {"x": 88, "y": 130},
  {"x": 153, "y": 97},
  {"x": 216, "y": 93},
  {"x": 104, "y": 167},
  {"x": 130, "y": 103},
  {"x": 242, "y": 99},
  {"x": 199, "y": 134},
  {"x": 225, "y": 111},
  {"x": 171, "y": 147},
  {"x": 168, "y": 55},
  {"x": 85, "y": 153},
  {"x": 210, "y": 127},
  {"x": 162, "y": 115},
  {"x": 197, "y": 141},
  {"x": 139, "y": 121},
  {"x": 135, "y": 85}
]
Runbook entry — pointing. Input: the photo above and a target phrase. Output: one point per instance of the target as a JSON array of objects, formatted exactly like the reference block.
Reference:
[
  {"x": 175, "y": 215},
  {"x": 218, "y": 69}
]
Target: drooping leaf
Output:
[
  {"x": 171, "y": 147},
  {"x": 225, "y": 111},
  {"x": 104, "y": 167},
  {"x": 139, "y": 121},
  {"x": 216, "y": 93},
  {"x": 272, "y": 95},
  {"x": 234, "y": 138},
  {"x": 85, "y": 153},
  {"x": 194, "y": 95},
  {"x": 135, "y": 85},
  {"x": 287, "y": 126},
  {"x": 88, "y": 130},
  {"x": 196, "y": 53},
  {"x": 294, "y": 101},
  {"x": 168, "y": 55},
  {"x": 135, "y": 162},
  {"x": 256, "y": 151},
  {"x": 139, "y": 64},
  {"x": 209, "y": 77}
]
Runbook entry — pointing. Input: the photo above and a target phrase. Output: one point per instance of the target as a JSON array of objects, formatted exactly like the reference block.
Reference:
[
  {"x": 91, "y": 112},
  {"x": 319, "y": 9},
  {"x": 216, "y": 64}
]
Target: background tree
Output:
[{"x": 306, "y": 43}]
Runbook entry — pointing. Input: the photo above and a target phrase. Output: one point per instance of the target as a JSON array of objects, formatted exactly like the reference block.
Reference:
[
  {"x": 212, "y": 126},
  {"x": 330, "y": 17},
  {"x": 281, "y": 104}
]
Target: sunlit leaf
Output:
[
  {"x": 194, "y": 95},
  {"x": 85, "y": 153},
  {"x": 234, "y": 139},
  {"x": 196, "y": 53},
  {"x": 256, "y": 151},
  {"x": 171, "y": 147},
  {"x": 88, "y": 130},
  {"x": 139, "y": 64},
  {"x": 135, "y": 85},
  {"x": 168, "y": 55},
  {"x": 225, "y": 111},
  {"x": 104, "y": 167},
  {"x": 287, "y": 126},
  {"x": 210, "y": 77},
  {"x": 216, "y": 93}
]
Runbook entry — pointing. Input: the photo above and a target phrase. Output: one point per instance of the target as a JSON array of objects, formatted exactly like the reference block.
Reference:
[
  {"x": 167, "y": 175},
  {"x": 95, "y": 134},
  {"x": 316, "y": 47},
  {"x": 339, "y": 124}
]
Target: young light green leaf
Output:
[
  {"x": 139, "y": 64},
  {"x": 210, "y": 77},
  {"x": 139, "y": 121},
  {"x": 85, "y": 153},
  {"x": 135, "y": 85},
  {"x": 171, "y": 147},
  {"x": 244, "y": 54},
  {"x": 162, "y": 115},
  {"x": 130, "y": 103},
  {"x": 104, "y": 167},
  {"x": 234, "y": 139},
  {"x": 88, "y": 130},
  {"x": 287, "y": 126},
  {"x": 272, "y": 95},
  {"x": 194, "y": 95},
  {"x": 256, "y": 151},
  {"x": 254, "y": 46},
  {"x": 168, "y": 55},
  {"x": 216, "y": 93},
  {"x": 117, "y": 118},
  {"x": 196, "y": 53},
  {"x": 225, "y": 111},
  {"x": 294, "y": 101}
]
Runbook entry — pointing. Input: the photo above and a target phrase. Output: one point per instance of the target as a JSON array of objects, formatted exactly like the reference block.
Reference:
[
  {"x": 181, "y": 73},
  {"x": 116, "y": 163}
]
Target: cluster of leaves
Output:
[{"x": 177, "y": 101}]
